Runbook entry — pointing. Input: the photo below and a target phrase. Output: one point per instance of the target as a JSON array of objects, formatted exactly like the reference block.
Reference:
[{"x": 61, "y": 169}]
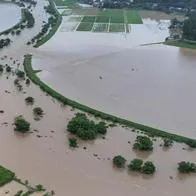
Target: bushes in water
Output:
[
  {"x": 143, "y": 143},
  {"x": 21, "y": 124},
  {"x": 84, "y": 128},
  {"x": 167, "y": 142},
  {"x": 119, "y": 161},
  {"x": 38, "y": 111},
  {"x": 8, "y": 68},
  {"x": 29, "y": 100},
  {"x": 4, "y": 42},
  {"x": 186, "y": 167},
  {"x": 20, "y": 74},
  {"x": 73, "y": 142},
  {"x": 135, "y": 165},
  {"x": 148, "y": 168},
  {"x": 1, "y": 68}
]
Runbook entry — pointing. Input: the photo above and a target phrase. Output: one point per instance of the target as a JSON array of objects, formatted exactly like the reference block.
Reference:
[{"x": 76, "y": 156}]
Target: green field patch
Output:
[
  {"x": 90, "y": 19},
  {"x": 5, "y": 176},
  {"x": 100, "y": 27},
  {"x": 86, "y": 11},
  {"x": 102, "y": 19},
  {"x": 116, "y": 15},
  {"x": 75, "y": 19},
  {"x": 133, "y": 17},
  {"x": 115, "y": 27},
  {"x": 85, "y": 26},
  {"x": 67, "y": 12},
  {"x": 68, "y": 3}
]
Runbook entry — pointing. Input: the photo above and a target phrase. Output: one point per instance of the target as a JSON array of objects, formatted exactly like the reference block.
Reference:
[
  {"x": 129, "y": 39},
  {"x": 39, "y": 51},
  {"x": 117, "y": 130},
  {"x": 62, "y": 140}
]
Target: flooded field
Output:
[
  {"x": 10, "y": 14},
  {"x": 49, "y": 161},
  {"x": 113, "y": 73}
]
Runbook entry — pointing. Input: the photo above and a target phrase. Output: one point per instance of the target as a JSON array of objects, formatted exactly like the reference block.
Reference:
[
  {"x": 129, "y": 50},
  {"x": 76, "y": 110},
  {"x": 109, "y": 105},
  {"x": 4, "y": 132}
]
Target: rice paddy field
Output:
[{"x": 103, "y": 20}]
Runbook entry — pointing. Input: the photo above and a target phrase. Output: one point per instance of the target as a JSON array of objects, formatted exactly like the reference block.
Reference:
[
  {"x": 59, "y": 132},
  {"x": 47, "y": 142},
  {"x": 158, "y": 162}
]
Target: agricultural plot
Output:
[
  {"x": 106, "y": 20},
  {"x": 115, "y": 27},
  {"x": 68, "y": 3},
  {"x": 100, "y": 27},
  {"x": 85, "y": 26}
]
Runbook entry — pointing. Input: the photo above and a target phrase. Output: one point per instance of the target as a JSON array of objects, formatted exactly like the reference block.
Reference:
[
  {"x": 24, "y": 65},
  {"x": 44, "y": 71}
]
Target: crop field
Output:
[{"x": 105, "y": 20}]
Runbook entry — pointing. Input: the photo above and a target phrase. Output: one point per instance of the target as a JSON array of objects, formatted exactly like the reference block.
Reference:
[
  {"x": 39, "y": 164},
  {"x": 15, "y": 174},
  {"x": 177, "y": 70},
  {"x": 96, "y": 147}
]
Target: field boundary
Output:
[{"x": 147, "y": 129}]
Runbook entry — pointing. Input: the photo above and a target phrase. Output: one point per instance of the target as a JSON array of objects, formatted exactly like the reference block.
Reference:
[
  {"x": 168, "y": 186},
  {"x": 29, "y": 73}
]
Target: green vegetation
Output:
[
  {"x": 135, "y": 165},
  {"x": 4, "y": 42},
  {"x": 100, "y": 27},
  {"x": 89, "y": 19},
  {"x": 20, "y": 74},
  {"x": 21, "y": 125},
  {"x": 85, "y": 26},
  {"x": 116, "y": 27},
  {"x": 5, "y": 176},
  {"x": 146, "y": 129},
  {"x": 1, "y": 68},
  {"x": 29, "y": 100},
  {"x": 38, "y": 111},
  {"x": 181, "y": 44},
  {"x": 119, "y": 161},
  {"x": 167, "y": 142},
  {"x": 73, "y": 142},
  {"x": 133, "y": 17},
  {"x": 102, "y": 19},
  {"x": 186, "y": 167},
  {"x": 143, "y": 143},
  {"x": 148, "y": 168},
  {"x": 8, "y": 69},
  {"x": 68, "y": 3},
  {"x": 55, "y": 23},
  {"x": 85, "y": 129}
]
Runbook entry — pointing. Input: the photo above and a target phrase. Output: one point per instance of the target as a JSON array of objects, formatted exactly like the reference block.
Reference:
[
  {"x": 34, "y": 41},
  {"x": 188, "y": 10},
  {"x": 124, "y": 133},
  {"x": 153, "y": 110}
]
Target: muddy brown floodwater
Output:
[{"x": 147, "y": 80}]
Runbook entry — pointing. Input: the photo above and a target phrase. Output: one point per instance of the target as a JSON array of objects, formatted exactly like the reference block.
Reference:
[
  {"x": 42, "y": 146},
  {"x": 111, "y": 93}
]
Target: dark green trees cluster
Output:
[
  {"x": 189, "y": 28},
  {"x": 143, "y": 143},
  {"x": 4, "y": 42},
  {"x": 167, "y": 142},
  {"x": 84, "y": 128},
  {"x": 186, "y": 167},
  {"x": 119, "y": 161},
  {"x": 30, "y": 21},
  {"x": 21, "y": 124},
  {"x": 135, "y": 165}
]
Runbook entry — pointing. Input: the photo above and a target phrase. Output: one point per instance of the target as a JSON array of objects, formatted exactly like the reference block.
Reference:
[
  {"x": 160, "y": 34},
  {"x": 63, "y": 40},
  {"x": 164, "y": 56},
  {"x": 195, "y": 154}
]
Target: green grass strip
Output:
[
  {"x": 181, "y": 44},
  {"x": 148, "y": 130},
  {"x": 53, "y": 30},
  {"x": 85, "y": 26},
  {"x": 5, "y": 176}
]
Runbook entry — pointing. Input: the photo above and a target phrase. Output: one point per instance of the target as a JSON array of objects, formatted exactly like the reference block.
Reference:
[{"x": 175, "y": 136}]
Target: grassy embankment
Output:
[
  {"x": 6, "y": 176},
  {"x": 148, "y": 130},
  {"x": 181, "y": 44},
  {"x": 53, "y": 30}
]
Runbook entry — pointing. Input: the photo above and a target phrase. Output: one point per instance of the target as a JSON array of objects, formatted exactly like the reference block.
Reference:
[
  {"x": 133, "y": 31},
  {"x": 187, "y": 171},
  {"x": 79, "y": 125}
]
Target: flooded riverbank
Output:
[{"x": 10, "y": 14}]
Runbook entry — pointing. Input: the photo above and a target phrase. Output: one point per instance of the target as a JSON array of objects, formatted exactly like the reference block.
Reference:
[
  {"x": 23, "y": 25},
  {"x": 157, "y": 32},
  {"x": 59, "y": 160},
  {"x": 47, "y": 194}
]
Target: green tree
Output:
[
  {"x": 119, "y": 161},
  {"x": 73, "y": 142},
  {"x": 143, "y": 143},
  {"x": 186, "y": 167},
  {"x": 21, "y": 124},
  {"x": 135, "y": 165},
  {"x": 148, "y": 168}
]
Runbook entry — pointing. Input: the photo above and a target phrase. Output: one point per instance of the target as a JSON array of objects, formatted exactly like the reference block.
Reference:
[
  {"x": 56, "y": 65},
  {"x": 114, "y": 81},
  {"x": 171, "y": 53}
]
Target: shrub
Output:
[
  {"x": 119, "y": 161},
  {"x": 29, "y": 100},
  {"x": 21, "y": 124},
  {"x": 8, "y": 69},
  {"x": 148, "y": 168},
  {"x": 38, "y": 111},
  {"x": 16, "y": 81},
  {"x": 27, "y": 81},
  {"x": 143, "y": 143},
  {"x": 1, "y": 68},
  {"x": 186, "y": 167},
  {"x": 167, "y": 142},
  {"x": 84, "y": 128},
  {"x": 19, "y": 193},
  {"x": 73, "y": 142},
  {"x": 20, "y": 74},
  {"x": 39, "y": 188},
  {"x": 135, "y": 165}
]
